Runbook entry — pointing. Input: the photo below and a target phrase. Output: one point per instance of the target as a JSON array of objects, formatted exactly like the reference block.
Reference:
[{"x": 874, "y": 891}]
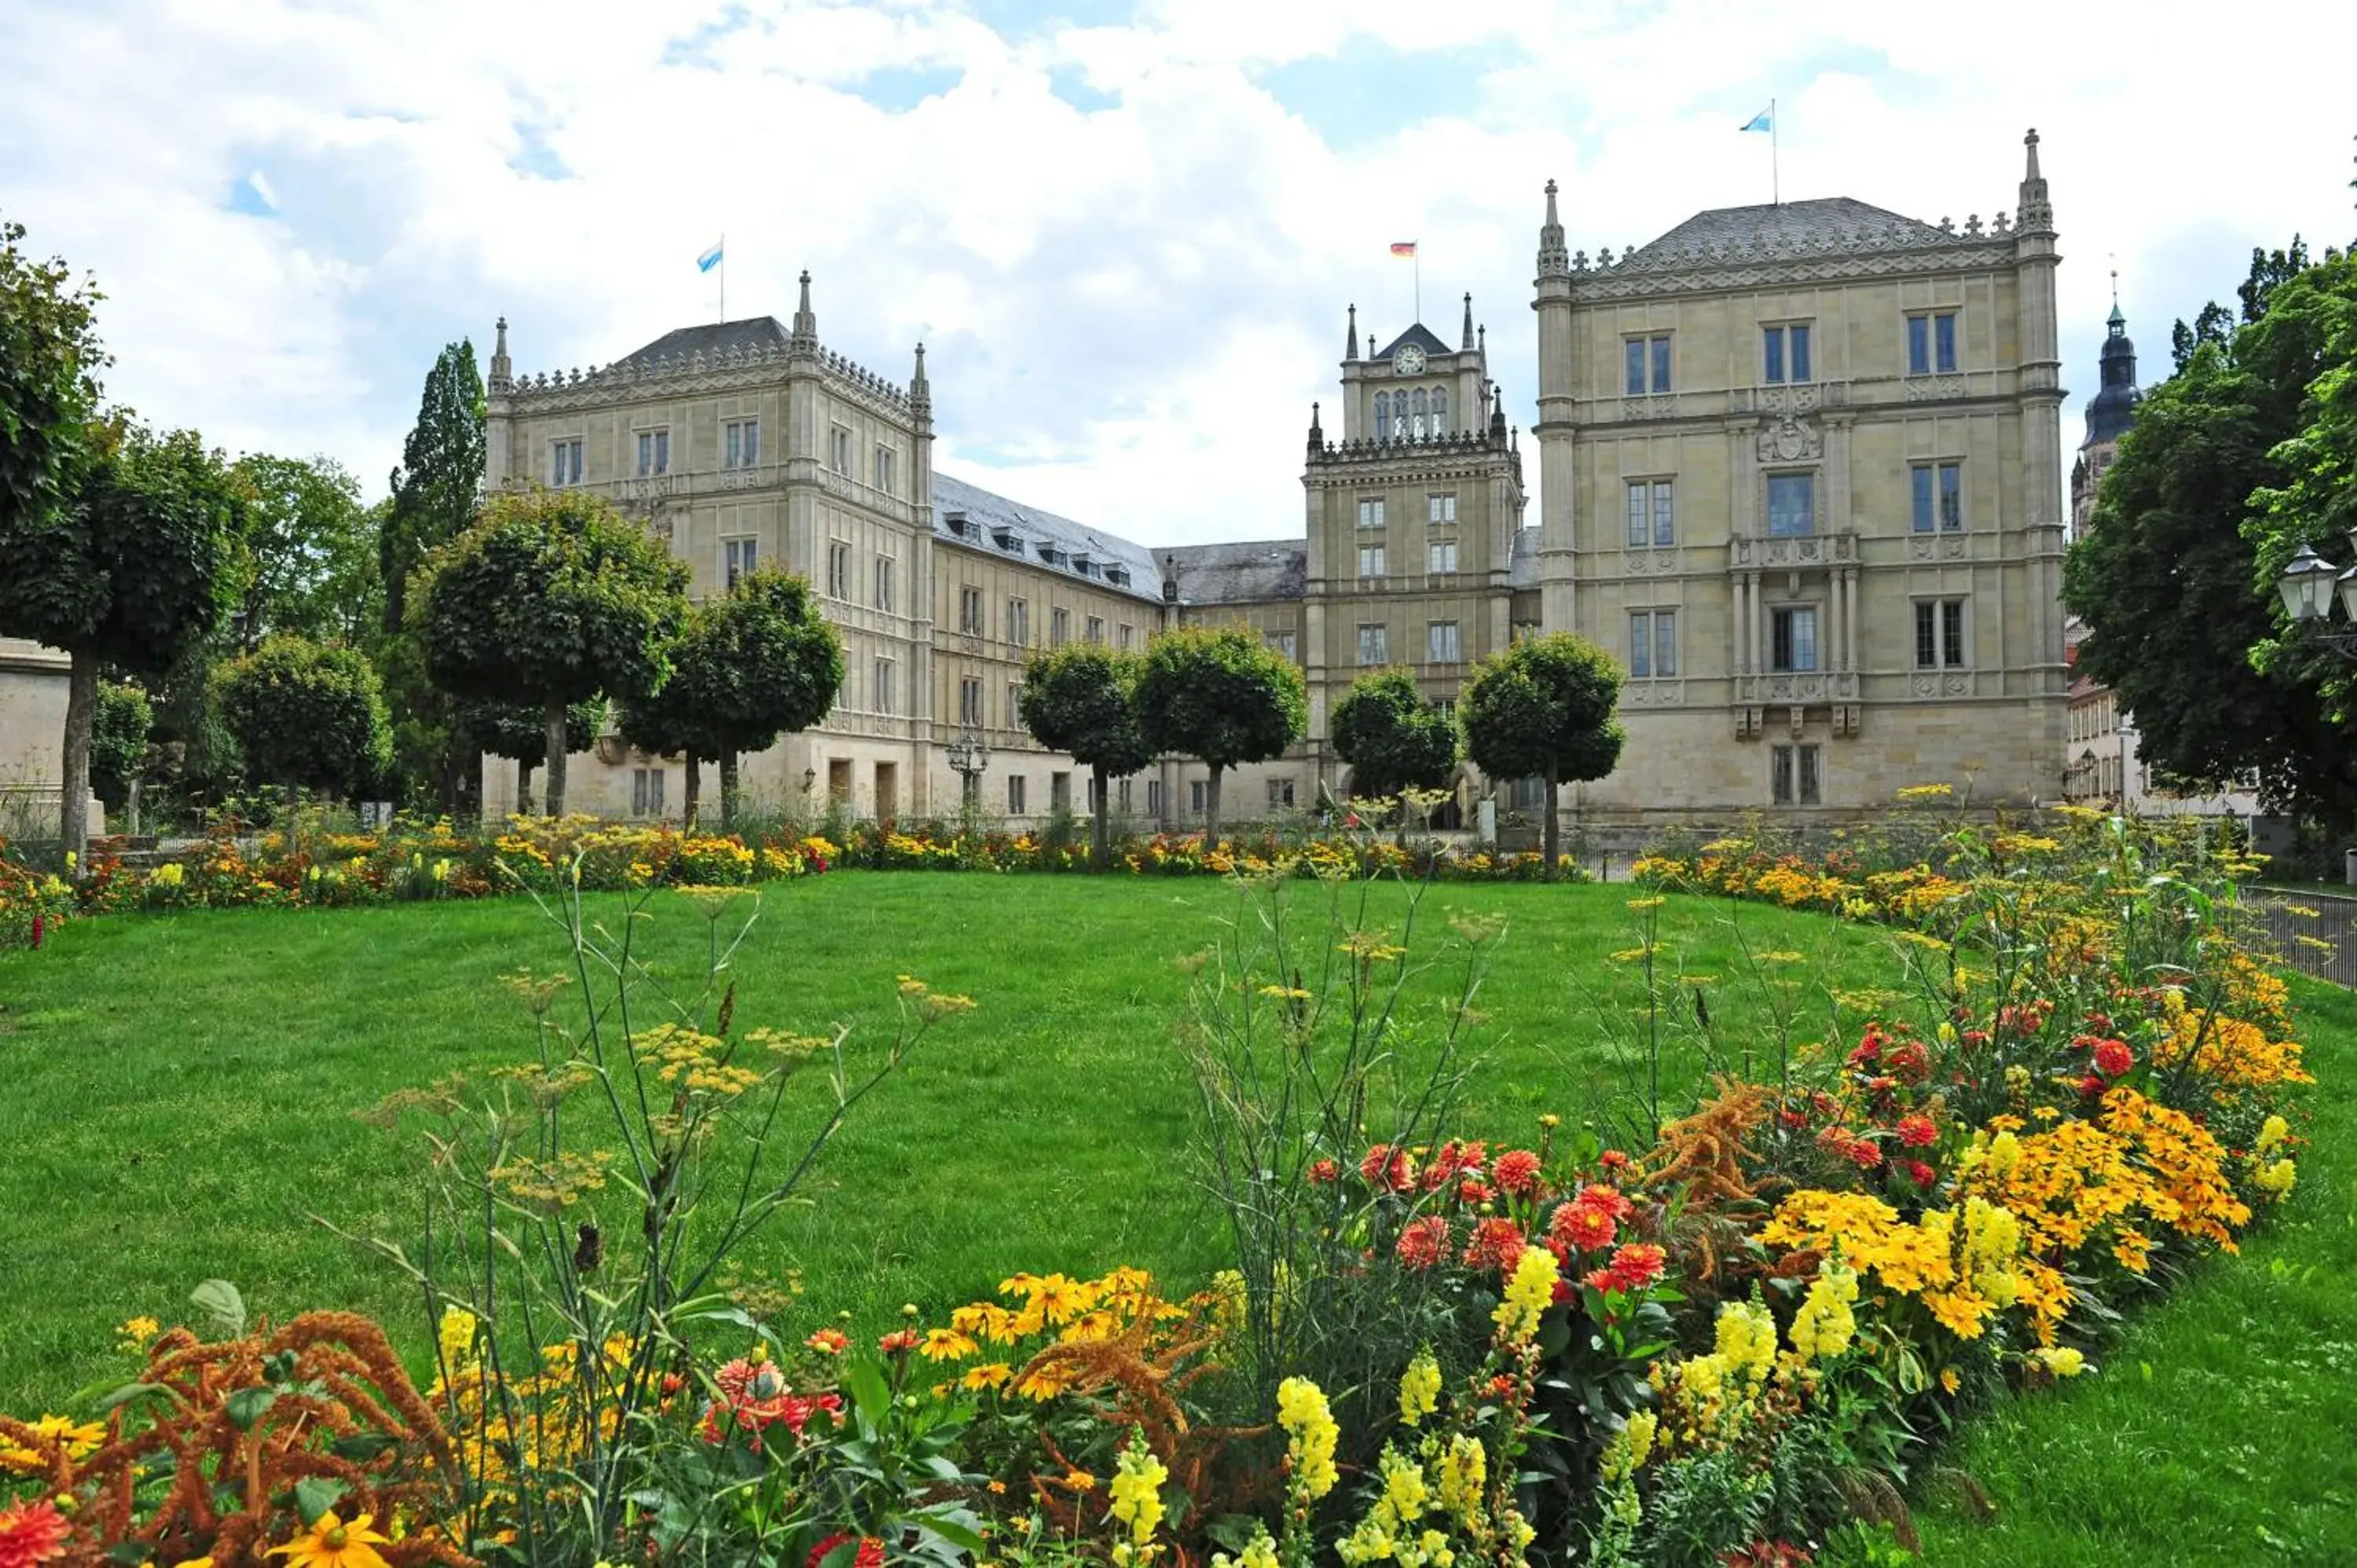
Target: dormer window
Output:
[{"x": 1005, "y": 539}]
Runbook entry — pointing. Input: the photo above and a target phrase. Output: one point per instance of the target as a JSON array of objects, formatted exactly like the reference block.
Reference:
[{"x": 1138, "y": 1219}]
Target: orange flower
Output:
[{"x": 31, "y": 1533}]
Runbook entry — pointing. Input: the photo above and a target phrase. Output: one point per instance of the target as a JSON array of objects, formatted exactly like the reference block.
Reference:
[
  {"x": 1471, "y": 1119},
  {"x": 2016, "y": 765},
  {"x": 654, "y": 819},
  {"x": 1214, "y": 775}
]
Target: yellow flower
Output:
[
  {"x": 1824, "y": 1325},
  {"x": 989, "y": 1375},
  {"x": 78, "y": 1440},
  {"x": 2277, "y": 1179},
  {"x": 1528, "y": 1295},
  {"x": 332, "y": 1544},
  {"x": 1464, "y": 1472},
  {"x": 2062, "y": 1360},
  {"x": 455, "y": 1337},
  {"x": 946, "y": 1345},
  {"x": 1137, "y": 1489},
  {"x": 2273, "y": 1131},
  {"x": 1312, "y": 1434},
  {"x": 138, "y": 1331},
  {"x": 1420, "y": 1390}
]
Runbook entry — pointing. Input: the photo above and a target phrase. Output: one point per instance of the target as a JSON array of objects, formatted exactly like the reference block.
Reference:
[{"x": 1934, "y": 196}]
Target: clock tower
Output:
[{"x": 1415, "y": 517}]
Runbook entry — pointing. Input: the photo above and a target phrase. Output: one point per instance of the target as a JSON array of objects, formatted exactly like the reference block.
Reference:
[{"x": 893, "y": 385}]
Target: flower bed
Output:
[{"x": 1724, "y": 1344}]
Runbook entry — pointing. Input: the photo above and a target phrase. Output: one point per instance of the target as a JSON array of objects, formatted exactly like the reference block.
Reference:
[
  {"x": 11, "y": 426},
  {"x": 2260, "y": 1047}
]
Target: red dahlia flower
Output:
[
  {"x": 2113, "y": 1057},
  {"x": 1496, "y": 1243},
  {"x": 1632, "y": 1267},
  {"x": 1422, "y": 1242},
  {"x": 1921, "y": 1175},
  {"x": 31, "y": 1533},
  {"x": 1325, "y": 1173},
  {"x": 1516, "y": 1171},
  {"x": 1918, "y": 1130}
]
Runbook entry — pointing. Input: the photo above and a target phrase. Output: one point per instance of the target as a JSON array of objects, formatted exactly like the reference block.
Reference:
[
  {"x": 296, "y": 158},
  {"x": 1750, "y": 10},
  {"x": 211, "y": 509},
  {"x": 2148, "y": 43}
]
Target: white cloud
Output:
[{"x": 1129, "y": 307}]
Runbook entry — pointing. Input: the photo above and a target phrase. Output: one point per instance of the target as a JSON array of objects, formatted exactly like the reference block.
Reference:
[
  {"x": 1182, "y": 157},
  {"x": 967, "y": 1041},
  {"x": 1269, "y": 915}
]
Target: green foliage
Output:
[
  {"x": 439, "y": 482},
  {"x": 118, "y": 742},
  {"x": 2212, "y": 491},
  {"x": 49, "y": 361},
  {"x": 552, "y": 598},
  {"x": 1391, "y": 737},
  {"x": 1223, "y": 696},
  {"x": 1081, "y": 699},
  {"x": 308, "y": 713},
  {"x": 520, "y": 734},
  {"x": 305, "y": 559},
  {"x": 1543, "y": 708}
]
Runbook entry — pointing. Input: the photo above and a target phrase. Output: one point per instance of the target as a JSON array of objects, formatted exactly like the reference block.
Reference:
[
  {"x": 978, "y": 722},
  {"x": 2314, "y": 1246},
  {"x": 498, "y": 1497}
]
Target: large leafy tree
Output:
[
  {"x": 306, "y": 556},
  {"x": 2175, "y": 578},
  {"x": 307, "y": 715},
  {"x": 550, "y": 599},
  {"x": 1543, "y": 708},
  {"x": 1081, "y": 699},
  {"x": 127, "y": 570},
  {"x": 1223, "y": 696},
  {"x": 49, "y": 361},
  {"x": 440, "y": 483},
  {"x": 1392, "y": 739}
]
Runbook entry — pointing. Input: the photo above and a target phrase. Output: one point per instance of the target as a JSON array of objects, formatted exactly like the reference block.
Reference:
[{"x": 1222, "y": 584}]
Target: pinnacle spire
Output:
[
  {"x": 503, "y": 367},
  {"x": 805, "y": 320},
  {"x": 2037, "y": 211},
  {"x": 1469, "y": 320},
  {"x": 1350, "y": 337},
  {"x": 1555, "y": 260},
  {"x": 920, "y": 392}
]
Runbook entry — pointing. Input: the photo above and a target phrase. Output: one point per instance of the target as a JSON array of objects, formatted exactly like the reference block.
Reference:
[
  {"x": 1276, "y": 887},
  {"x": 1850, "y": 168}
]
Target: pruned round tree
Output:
[
  {"x": 756, "y": 664},
  {"x": 1392, "y": 739},
  {"x": 127, "y": 567},
  {"x": 118, "y": 747},
  {"x": 308, "y": 715},
  {"x": 1544, "y": 709},
  {"x": 1223, "y": 696},
  {"x": 1082, "y": 700},
  {"x": 551, "y": 598}
]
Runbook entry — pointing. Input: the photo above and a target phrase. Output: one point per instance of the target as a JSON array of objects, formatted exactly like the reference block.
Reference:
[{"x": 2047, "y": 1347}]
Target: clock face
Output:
[{"x": 1408, "y": 362}]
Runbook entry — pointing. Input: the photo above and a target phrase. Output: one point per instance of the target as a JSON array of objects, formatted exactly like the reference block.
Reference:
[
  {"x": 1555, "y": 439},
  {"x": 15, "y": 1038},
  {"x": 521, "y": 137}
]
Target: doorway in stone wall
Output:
[{"x": 887, "y": 790}]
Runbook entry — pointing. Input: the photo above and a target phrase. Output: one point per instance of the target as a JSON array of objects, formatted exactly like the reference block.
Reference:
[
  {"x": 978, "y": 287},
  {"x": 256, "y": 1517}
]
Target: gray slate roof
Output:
[
  {"x": 987, "y": 515},
  {"x": 1422, "y": 337},
  {"x": 713, "y": 337},
  {"x": 1825, "y": 226},
  {"x": 1238, "y": 573}
]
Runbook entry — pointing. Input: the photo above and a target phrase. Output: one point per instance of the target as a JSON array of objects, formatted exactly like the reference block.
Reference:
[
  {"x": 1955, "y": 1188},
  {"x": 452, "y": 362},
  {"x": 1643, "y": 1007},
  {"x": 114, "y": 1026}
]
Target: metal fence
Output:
[{"x": 2316, "y": 932}]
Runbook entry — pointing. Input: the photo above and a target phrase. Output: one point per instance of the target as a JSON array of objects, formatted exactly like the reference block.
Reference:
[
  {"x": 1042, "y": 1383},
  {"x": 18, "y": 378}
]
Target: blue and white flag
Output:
[
  {"x": 1763, "y": 121},
  {"x": 710, "y": 258}
]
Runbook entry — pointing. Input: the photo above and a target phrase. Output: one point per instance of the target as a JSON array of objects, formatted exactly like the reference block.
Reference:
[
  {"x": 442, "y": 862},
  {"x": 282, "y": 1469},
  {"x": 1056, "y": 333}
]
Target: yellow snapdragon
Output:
[
  {"x": 1528, "y": 1295},
  {"x": 1419, "y": 1390},
  {"x": 1311, "y": 1433}
]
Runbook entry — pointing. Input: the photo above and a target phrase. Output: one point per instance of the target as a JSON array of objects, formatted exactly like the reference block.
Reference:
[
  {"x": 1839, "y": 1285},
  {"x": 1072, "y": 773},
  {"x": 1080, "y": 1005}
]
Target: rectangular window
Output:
[
  {"x": 885, "y": 476},
  {"x": 654, "y": 453},
  {"x": 1800, "y": 337},
  {"x": 1653, "y": 644},
  {"x": 970, "y": 611},
  {"x": 838, "y": 569},
  {"x": 1016, "y": 803},
  {"x": 1059, "y": 791},
  {"x": 1444, "y": 556},
  {"x": 1779, "y": 775},
  {"x": 1154, "y": 798},
  {"x": 1279, "y": 642},
  {"x": 646, "y": 791},
  {"x": 1646, "y": 365},
  {"x": 1812, "y": 784},
  {"x": 1951, "y": 633},
  {"x": 970, "y": 701},
  {"x": 740, "y": 444},
  {"x": 1018, "y": 622},
  {"x": 1059, "y": 628},
  {"x": 883, "y": 582},
  {"x": 1371, "y": 561},
  {"x": 737, "y": 559},
  {"x": 1374, "y": 645},
  {"x": 1370, "y": 512},
  {"x": 1772, "y": 352},
  {"x": 1793, "y": 639},
  {"x": 1931, "y": 343},
  {"x": 1632, "y": 381},
  {"x": 1939, "y": 497},
  {"x": 1015, "y": 705},
  {"x": 1927, "y": 635},
  {"x": 1280, "y": 793},
  {"x": 1440, "y": 642},
  {"x": 1095, "y": 632},
  {"x": 565, "y": 463},
  {"x": 1791, "y": 505},
  {"x": 1196, "y": 794},
  {"x": 839, "y": 450},
  {"x": 1785, "y": 353},
  {"x": 1125, "y": 635},
  {"x": 1660, "y": 364},
  {"x": 1441, "y": 509},
  {"x": 1121, "y": 797},
  {"x": 883, "y": 685},
  {"x": 1652, "y": 513}
]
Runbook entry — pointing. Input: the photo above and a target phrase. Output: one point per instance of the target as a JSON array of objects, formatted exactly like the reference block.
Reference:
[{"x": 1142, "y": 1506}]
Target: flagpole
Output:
[
  {"x": 723, "y": 275},
  {"x": 1775, "y": 178},
  {"x": 1416, "y": 268}
]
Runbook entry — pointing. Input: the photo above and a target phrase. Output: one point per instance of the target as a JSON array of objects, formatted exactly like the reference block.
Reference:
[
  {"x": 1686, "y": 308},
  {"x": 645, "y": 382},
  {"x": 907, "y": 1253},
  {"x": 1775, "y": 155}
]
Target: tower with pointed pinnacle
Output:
[{"x": 804, "y": 332}]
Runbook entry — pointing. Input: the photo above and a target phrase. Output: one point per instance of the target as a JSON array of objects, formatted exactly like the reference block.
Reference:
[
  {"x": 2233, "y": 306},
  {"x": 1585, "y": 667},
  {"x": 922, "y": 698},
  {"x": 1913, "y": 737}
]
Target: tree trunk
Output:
[
  {"x": 1211, "y": 811},
  {"x": 1553, "y": 836},
  {"x": 81, "y": 715},
  {"x": 524, "y": 788},
  {"x": 1101, "y": 831},
  {"x": 553, "y": 791},
  {"x": 728, "y": 789},
  {"x": 690, "y": 794}
]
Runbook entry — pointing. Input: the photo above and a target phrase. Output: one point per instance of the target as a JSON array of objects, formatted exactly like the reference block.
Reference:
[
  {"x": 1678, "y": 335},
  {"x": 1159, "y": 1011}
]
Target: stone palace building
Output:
[{"x": 1800, "y": 473}]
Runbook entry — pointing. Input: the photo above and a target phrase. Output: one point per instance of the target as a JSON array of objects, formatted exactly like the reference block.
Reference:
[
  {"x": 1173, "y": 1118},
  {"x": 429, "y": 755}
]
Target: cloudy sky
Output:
[{"x": 1126, "y": 231}]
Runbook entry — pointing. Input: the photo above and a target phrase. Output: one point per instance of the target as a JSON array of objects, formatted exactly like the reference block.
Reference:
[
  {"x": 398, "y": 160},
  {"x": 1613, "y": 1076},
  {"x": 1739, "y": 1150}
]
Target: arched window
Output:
[
  {"x": 1417, "y": 405},
  {"x": 1440, "y": 411},
  {"x": 1383, "y": 416}
]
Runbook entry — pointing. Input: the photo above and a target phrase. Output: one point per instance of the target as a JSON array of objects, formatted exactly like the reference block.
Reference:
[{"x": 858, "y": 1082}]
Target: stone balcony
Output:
[
  {"x": 1781, "y": 688},
  {"x": 1793, "y": 552}
]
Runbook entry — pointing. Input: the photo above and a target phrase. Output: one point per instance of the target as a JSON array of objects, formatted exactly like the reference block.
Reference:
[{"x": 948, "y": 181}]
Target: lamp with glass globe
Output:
[{"x": 2308, "y": 584}]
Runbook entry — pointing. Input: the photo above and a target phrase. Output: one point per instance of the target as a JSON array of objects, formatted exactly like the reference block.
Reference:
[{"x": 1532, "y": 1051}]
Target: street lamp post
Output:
[
  {"x": 2309, "y": 585},
  {"x": 968, "y": 755}
]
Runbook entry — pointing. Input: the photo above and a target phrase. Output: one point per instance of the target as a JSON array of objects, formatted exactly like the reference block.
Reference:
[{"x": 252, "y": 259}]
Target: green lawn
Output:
[{"x": 181, "y": 1089}]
